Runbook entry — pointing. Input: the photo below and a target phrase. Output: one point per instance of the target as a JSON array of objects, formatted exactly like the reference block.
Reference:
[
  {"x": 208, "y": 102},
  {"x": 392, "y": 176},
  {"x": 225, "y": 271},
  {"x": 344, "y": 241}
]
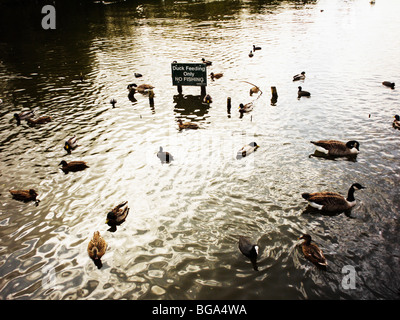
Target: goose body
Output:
[
  {"x": 249, "y": 249},
  {"x": 71, "y": 144},
  {"x": 336, "y": 148},
  {"x": 164, "y": 156},
  {"x": 312, "y": 252},
  {"x": 332, "y": 202},
  {"x": 40, "y": 120},
  {"x": 23, "y": 115},
  {"x": 73, "y": 166},
  {"x": 97, "y": 246},
  {"x": 388, "y": 84},
  {"x": 302, "y": 93},
  {"x": 187, "y": 125},
  {"x": 208, "y": 63},
  {"x": 247, "y": 150},
  {"x": 25, "y": 195},
  {"x": 117, "y": 215},
  {"x": 300, "y": 76},
  {"x": 215, "y": 75},
  {"x": 396, "y": 122}
]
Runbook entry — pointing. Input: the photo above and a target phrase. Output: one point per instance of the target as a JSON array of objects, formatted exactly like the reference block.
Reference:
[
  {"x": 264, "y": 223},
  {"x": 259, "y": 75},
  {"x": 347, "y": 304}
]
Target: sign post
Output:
[{"x": 189, "y": 74}]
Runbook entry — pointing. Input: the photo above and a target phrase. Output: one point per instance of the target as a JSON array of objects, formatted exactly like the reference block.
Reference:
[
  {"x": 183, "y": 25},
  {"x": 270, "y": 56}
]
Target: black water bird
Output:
[
  {"x": 388, "y": 84},
  {"x": 249, "y": 249},
  {"x": 73, "y": 166},
  {"x": 256, "y": 48},
  {"x": 302, "y": 93}
]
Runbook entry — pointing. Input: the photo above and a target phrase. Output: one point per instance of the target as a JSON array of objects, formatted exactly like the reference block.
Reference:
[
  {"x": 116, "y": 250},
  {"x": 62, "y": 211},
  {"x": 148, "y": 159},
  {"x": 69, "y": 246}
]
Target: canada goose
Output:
[
  {"x": 164, "y": 156},
  {"x": 396, "y": 122},
  {"x": 97, "y": 248},
  {"x": 246, "y": 150},
  {"x": 208, "y": 63},
  {"x": 187, "y": 125},
  {"x": 300, "y": 76},
  {"x": 312, "y": 252},
  {"x": 216, "y": 75},
  {"x": 250, "y": 249},
  {"x": 25, "y": 195},
  {"x": 143, "y": 88},
  {"x": 302, "y": 93},
  {"x": 23, "y": 116},
  {"x": 251, "y": 54},
  {"x": 73, "y": 166},
  {"x": 336, "y": 148},
  {"x": 40, "y": 120},
  {"x": 332, "y": 202},
  {"x": 117, "y": 215},
  {"x": 71, "y": 144},
  {"x": 256, "y": 48},
  {"x": 388, "y": 84},
  {"x": 113, "y": 102}
]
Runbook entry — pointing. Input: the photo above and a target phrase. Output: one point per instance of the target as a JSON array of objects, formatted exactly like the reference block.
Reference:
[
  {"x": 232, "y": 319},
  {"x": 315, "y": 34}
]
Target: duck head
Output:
[
  {"x": 397, "y": 117},
  {"x": 306, "y": 237},
  {"x": 63, "y": 163},
  {"x": 353, "y": 144}
]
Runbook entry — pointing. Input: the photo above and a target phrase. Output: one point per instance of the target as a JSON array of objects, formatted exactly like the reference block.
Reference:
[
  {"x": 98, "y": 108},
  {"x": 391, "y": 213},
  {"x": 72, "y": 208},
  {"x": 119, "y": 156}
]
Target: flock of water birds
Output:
[{"x": 329, "y": 203}]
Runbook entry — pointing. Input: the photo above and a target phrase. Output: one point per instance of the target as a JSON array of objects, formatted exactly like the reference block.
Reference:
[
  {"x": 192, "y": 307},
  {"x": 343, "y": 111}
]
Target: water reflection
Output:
[{"x": 191, "y": 107}]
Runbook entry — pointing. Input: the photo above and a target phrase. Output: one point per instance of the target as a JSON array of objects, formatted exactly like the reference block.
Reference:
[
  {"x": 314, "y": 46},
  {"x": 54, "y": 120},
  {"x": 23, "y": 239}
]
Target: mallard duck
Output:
[
  {"x": 207, "y": 99},
  {"x": 164, "y": 156},
  {"x": 396, "y": 122},
  {"x": 312, "y": 252},
  {"x": 97, "y": 246},
  {"x": 246, "y": 150},
  {"x": 117, "y": 215},
  {"x": 250, "y": 249},
  {"x": 332, "y": 202},
  {"x": 25, "y": 195},
  {"x": 251, "y": 54},
  {"x": 388, "y": 84},
  {"x": 256, "y": 48},
  {"x": 73, "y": 166},
  {"x": 300, "y": 76},
  {"x": 23, "y": 115},
  {"x": 243, "y": 108},
  {"x": 215, "y": 75},
  {"x": 113, "y": 102},
  {"x": 208, "y": 63},
  {"x": 187, "y": 125},
  {"x": 71, "y": 144},
  {"x": 302, "y": 93},
  {"x": 336, "y": 148},
  {"x": 40, "y": 120}
]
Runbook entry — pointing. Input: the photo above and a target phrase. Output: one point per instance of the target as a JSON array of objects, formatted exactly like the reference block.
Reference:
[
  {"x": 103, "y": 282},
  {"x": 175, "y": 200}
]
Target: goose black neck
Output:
[{"x": 350, "y": 194}]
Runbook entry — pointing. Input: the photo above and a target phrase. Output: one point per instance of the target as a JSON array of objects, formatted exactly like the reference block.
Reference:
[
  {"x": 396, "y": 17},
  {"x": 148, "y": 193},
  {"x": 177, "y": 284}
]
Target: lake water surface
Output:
[{"x": 180, "y": 239}]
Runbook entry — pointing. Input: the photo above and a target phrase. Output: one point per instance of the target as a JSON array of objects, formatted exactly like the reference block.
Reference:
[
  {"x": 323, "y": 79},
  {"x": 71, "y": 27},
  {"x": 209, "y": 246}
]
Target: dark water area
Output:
[{"x": 180, "y": 239}]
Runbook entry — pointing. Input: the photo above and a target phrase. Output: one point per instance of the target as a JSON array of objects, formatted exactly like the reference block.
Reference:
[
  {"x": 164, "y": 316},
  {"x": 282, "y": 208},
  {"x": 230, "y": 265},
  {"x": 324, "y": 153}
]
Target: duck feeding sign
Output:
[{"x": 189, "y": 74}]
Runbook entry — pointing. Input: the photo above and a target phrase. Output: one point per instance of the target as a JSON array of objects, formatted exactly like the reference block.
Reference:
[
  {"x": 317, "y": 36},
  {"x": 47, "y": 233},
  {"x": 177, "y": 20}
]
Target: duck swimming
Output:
[
  {"x": 256, "y": 48},
  {"x": 73, "y": 166},
  {"x": 251, "y": 54},
  {"x": 187, "y": 125},
  {"x": 396, "y": 122},
  {"x": 164, "y": 156},
  {"x": 336, "y": 148},
  {"x": 332, "y": 202},
  {"x": 117, "y": 215},
  {"x": 249, "y": 249},
  {"x": 208, "y": 63},
  {"x": 300, "y": 76},
  {"x": 215, "y": 75},
  {"x": 302, "y": 93},
  {"x": 96, "y": 248},
  {"x": 247, "y": 150},
  {"x": 388, "y": 84},
  {"x": 40, "y": 120},
  {"x": 312, "y": 252},
  {"x": 244, "y": 108},
  {"x": 143, "y": 88},
  {"x": 25, "y": 195},
  {"x": 71, "y": 144},
  {"x": 23, "y": 116}
]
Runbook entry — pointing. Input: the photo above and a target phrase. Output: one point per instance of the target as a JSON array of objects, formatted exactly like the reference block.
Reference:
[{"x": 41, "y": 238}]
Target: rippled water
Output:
[{"x": 180, "y": 240}]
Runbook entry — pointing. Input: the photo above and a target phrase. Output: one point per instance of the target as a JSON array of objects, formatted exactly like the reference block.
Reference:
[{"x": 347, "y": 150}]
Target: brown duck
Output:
[
  {"x": 117, "y": 215},
  {"x": 25, "y": 195},
  {"x": 40, "y": 120},
  {"x": 312, "y": 252},
  {"x": 73, "y": 166},
  {"x": 187, "y": 125},
  {"x": 97, "y": 246}
]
